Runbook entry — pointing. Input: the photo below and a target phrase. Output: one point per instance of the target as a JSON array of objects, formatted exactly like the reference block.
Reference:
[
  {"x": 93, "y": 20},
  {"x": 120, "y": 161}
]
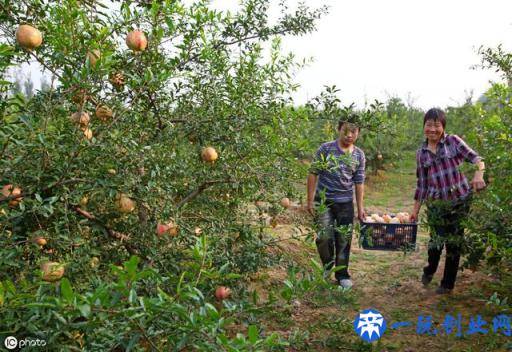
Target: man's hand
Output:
[
  {"x": 361, "y": 214},
  {"x": 310, "y": 195}
]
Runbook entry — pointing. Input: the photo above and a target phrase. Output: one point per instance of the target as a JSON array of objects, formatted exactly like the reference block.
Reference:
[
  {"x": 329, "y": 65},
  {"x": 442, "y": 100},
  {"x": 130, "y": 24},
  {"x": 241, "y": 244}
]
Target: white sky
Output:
[
  {"x": 406, "y": 48},
  {"x": 374, "y": 49}
]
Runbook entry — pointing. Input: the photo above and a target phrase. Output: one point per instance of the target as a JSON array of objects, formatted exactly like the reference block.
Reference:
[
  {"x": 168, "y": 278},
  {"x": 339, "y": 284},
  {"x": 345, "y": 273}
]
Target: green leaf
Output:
[
  {"x": 85, "y": 310},
  {"x": 232, "y": 276},
  {"x": 39, "y": 305},
  {"x": 180, "y": 282},
  {"x": 253, "y": 334},
  {"x": 131, "y": 265},
  {"x": 212, "y": 311},
  {"x": 164, "y": 295},
  {"x": 60, "y": 318},
  {"x": 132, "y": 298},
  {"x": 66, "y": 290},
  {"x": 9, "y": 286}
]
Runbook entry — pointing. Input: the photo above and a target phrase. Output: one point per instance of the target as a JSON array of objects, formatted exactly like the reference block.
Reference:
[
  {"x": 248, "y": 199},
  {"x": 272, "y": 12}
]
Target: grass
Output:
[{"x": 386, "y": 281}]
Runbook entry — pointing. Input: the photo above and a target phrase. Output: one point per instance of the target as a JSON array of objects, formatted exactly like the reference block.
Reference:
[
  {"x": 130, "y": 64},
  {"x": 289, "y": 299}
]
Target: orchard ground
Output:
[{"x": 321, "y": 319}]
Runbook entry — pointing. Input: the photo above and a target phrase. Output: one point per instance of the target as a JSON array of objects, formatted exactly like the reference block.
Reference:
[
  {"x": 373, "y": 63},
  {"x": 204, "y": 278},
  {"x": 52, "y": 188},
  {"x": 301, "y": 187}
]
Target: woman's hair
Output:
[{"x": 435, "y": 114}]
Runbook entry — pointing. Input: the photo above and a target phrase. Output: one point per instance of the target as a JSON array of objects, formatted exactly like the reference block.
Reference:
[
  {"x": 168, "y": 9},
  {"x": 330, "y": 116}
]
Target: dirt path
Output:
[{"x": 386, "y": 281}]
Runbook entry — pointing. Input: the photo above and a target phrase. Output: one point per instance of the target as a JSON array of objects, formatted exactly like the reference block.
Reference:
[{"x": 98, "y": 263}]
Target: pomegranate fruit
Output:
[
  {"x": 52, "y": 271},
  {"x": 222, "y": 292},
  {"x": 136, "y": 40},
  {"x": 209, "y": 154},
  {"x": 28, "y": 37}
]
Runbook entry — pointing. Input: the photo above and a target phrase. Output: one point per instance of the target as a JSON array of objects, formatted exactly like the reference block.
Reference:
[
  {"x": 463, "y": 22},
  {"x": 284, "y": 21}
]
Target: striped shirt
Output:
[
  {"x": 338, "y": 172},
  {"x": 438, "y": 174}
]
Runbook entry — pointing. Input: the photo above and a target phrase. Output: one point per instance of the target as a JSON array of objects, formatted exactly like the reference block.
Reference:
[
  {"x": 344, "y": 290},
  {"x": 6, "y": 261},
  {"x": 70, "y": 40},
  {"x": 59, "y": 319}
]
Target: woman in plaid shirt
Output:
[{"x": 446, "y": 192}]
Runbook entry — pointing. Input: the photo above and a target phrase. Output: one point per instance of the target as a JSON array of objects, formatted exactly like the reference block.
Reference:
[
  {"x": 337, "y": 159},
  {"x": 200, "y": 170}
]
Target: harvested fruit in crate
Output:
[
  {"x": 377, "y": 219},
  {"x": 389, "y": 237},
  {"x": 404, "y": 218},
  {"x": 388, "y": 232},
  {"x": 400, "y": 218},
  {"x": 369, "y": 219}
]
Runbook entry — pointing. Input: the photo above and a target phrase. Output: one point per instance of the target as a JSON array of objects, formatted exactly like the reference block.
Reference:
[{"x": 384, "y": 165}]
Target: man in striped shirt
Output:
[{"x": 338, "y": 166}]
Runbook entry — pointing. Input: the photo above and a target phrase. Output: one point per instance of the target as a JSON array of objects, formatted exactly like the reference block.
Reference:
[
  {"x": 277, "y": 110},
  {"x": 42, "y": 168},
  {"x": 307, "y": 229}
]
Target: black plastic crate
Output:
[{"x": 391, "y": 237}]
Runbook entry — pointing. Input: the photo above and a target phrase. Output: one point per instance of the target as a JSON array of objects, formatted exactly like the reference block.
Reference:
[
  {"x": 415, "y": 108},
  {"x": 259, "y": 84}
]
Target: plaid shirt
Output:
[{"x": 438, "y": 174}]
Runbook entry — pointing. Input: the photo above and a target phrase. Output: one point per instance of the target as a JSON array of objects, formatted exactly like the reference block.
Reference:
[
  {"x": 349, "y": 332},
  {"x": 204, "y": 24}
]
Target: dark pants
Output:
[
  {"x": 334, "y": 237},
  {"x": 446, "y": 229}
]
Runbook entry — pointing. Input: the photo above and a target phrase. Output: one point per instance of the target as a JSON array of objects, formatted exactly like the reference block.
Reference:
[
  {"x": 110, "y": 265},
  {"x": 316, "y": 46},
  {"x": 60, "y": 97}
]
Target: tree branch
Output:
[
  {"x": 58, "y": 183},
  {"x": 198, "y": 191},
  {"x": 112, "y": 233},
  {"x": 226, "y": 43}
]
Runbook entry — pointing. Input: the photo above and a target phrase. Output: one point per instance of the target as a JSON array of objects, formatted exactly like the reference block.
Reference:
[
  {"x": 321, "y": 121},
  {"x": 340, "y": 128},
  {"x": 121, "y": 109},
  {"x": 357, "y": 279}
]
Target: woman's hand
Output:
[
  {"x": 310, "y": 208},
  {"x": 478, "y": 182},
  {"x": 415, "y": 211},
  {"x": 414, "y": 216},
  {"x": 361, "y": 214}
]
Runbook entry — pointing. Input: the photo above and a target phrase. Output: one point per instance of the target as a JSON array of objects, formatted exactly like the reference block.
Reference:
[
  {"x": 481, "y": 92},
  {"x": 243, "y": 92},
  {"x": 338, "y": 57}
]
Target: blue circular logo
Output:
[{"x": 370, "y": 325}]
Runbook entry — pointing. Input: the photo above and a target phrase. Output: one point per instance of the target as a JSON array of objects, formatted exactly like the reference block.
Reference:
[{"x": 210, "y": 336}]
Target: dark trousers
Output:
[
  {"x": 334, "y": 236},
  {"x": 446, "y": 229}
]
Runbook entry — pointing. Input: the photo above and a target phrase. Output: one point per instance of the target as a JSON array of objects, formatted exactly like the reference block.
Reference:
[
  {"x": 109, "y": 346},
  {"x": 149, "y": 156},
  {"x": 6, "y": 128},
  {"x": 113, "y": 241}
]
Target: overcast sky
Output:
[
  {"x": 374, "y": 49},
  {"x": 405, "y": 48}
]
